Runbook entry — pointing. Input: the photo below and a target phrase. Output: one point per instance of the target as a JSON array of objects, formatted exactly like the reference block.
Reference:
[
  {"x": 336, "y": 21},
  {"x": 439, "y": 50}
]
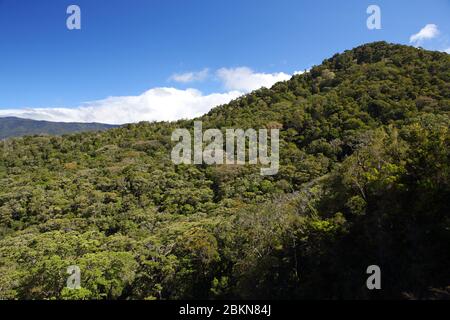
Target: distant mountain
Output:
[{"x": 17, "y": 127}]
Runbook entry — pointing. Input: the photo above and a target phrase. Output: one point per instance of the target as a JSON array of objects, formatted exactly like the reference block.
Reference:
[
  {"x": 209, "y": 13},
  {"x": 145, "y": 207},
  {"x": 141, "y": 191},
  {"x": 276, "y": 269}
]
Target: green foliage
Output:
[{"x": 364, "y": 179}]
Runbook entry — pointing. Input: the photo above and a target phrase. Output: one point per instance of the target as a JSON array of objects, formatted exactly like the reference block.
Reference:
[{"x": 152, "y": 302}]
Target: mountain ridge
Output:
[{"x": 16, "y": 127}]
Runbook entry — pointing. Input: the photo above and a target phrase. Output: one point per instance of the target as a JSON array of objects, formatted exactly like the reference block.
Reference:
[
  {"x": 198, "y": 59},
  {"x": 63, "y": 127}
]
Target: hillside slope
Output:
[
  {"x": 363, "y": 180},
  {"x": 17, "y": 127}
]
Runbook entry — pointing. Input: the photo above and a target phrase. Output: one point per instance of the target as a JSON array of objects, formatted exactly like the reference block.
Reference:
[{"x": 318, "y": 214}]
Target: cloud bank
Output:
[
  {"x": 158, "y": 104},
  {"x": 244, "y": 79}
]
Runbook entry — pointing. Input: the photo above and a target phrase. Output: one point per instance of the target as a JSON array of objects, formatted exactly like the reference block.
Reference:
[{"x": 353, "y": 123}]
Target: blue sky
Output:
[{"x": 144, "y": 55}]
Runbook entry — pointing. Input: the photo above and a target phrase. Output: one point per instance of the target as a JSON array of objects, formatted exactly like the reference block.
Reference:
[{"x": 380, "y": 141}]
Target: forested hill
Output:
[
  {"x": 17, "y": 127},
  {"x": 363, "y": 180}
]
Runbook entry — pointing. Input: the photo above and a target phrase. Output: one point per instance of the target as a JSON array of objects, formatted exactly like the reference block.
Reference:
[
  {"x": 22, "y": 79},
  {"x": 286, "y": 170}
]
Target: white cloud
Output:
[
  {"x": 190, "y": 76},
  {"x": 244, "y": 79},
  {"x": 430, "y": 31},
  {"x": 299, "y": 72},
  {"x": 157, "y": 104},
  {"x": 447, "y": 50}
]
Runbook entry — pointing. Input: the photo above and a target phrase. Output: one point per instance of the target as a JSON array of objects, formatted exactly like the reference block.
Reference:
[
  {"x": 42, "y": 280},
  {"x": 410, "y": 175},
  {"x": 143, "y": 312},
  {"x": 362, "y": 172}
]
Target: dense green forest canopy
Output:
[{"x": 363, "y": 180}]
